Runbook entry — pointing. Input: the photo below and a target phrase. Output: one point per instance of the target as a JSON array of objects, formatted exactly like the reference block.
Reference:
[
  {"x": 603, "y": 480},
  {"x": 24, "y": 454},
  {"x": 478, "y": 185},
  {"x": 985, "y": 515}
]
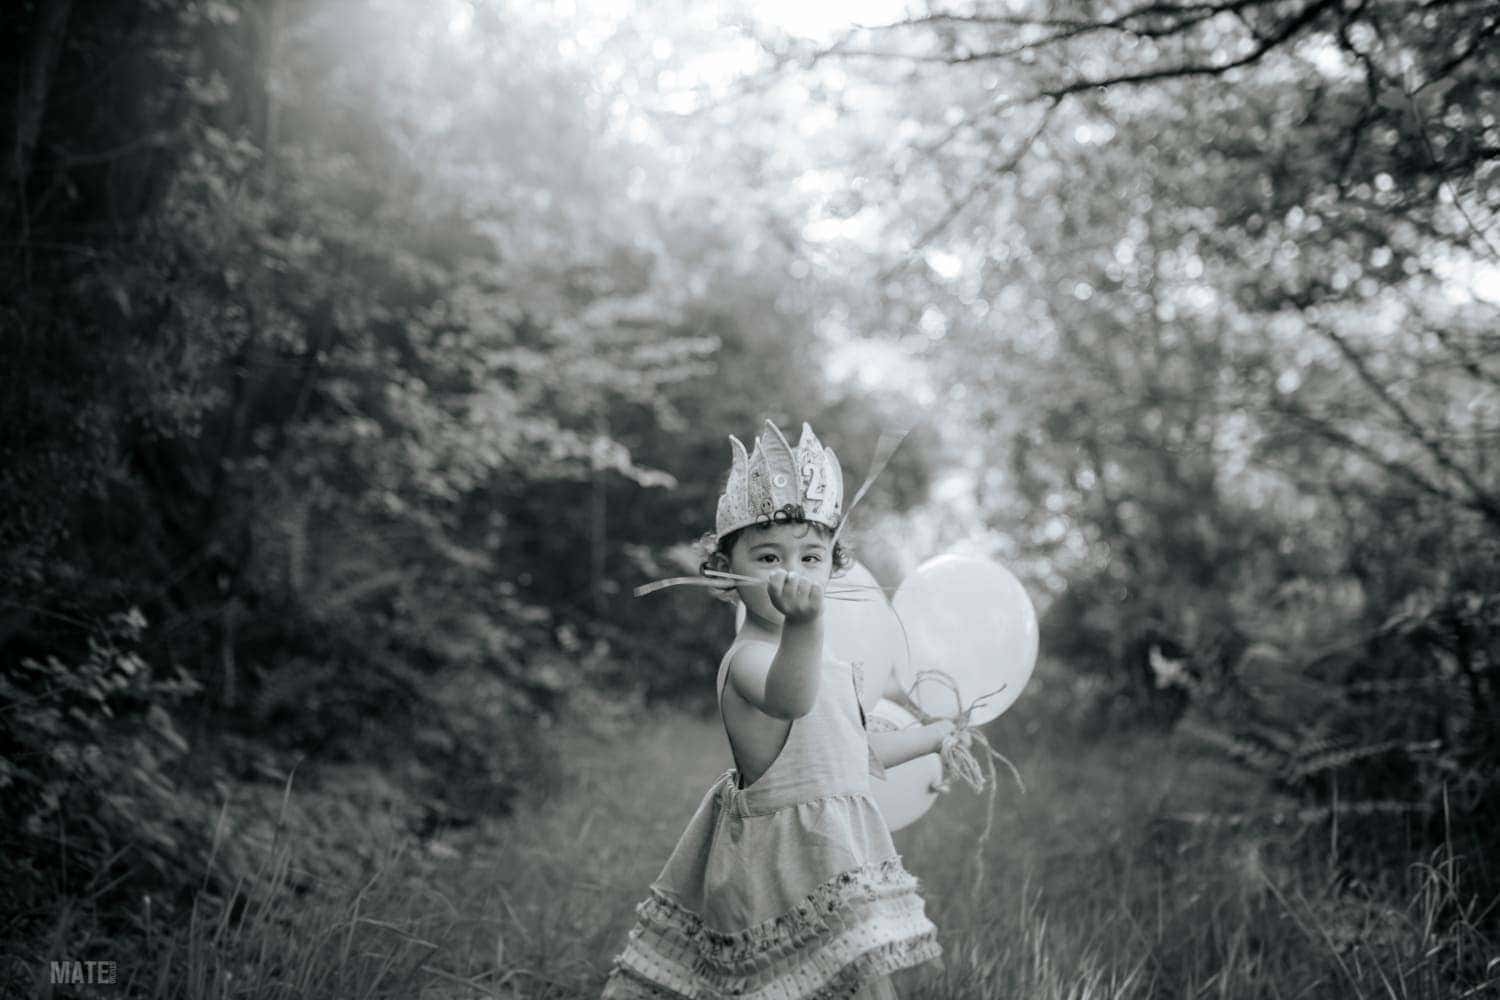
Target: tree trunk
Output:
[{"x": 30, "y": 106}]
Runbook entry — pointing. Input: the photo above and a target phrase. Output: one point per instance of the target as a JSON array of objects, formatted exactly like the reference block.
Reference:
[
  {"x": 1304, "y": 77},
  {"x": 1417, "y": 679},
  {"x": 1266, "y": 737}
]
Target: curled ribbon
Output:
[
  {"x": 960, "y": 761},
  {"x": 957, "y": 755}
]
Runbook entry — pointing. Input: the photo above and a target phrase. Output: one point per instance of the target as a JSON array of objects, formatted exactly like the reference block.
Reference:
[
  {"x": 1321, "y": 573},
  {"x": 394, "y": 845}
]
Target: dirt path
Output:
[{"x": 550, "y": 892}]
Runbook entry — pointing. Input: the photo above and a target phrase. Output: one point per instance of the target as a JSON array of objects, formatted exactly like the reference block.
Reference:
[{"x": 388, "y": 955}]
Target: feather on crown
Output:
[{"x": 805, "y": 481}]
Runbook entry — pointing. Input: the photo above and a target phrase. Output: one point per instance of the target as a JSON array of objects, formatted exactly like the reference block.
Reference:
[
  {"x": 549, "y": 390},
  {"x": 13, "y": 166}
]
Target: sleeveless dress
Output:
[{"x": 790, "y": 888}]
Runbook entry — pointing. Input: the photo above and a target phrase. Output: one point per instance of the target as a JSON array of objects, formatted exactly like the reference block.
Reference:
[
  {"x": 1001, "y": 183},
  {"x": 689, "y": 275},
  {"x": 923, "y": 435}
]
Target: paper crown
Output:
[{"x": 805, "y": 482}]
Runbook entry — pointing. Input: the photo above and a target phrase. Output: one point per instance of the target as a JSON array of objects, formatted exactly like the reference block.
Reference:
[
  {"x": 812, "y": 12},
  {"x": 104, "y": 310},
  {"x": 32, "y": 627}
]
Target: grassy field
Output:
[{"x": 1121, "y": 872}]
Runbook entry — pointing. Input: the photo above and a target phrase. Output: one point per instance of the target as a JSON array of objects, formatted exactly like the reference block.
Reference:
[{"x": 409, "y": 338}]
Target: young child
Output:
[{"x": 785, "y": 883}]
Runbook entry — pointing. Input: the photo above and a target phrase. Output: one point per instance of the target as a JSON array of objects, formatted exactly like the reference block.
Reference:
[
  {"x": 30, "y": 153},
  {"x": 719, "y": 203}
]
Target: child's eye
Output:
[
  {"x": 812, "y": 558},
  {"x": 766, "y": 557}
]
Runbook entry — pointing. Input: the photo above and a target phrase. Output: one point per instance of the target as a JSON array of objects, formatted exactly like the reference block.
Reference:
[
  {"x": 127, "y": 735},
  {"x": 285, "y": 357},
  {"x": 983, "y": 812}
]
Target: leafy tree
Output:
[
  {"x": 1205, "y": 277},
  {"x": 358, "y": 360}
]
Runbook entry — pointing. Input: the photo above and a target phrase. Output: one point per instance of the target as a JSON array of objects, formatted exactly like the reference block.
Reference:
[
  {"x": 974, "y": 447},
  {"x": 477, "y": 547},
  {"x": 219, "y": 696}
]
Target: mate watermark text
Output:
[{"x": 76, "y": 973}]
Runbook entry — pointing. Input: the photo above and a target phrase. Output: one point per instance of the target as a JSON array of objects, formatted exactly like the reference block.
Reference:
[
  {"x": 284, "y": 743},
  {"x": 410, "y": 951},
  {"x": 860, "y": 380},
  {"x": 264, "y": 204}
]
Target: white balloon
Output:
[
  {"x": 859, "y": 625},
  {"x": 971, "y": 619},
  {"x": 908, "y": 790}
]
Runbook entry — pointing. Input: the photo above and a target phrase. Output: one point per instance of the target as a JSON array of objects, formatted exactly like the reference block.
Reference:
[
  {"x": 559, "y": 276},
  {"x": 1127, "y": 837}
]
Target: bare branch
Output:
[
  {"x": 1011, "y": 52},
  {"x": 1476, "y": 46},
  {"x": 1288, "y": 28},
  {"x": 1479, "y": 234},
  {"x": 1287, "y": 407},
  {"x": 1481, "y": 499},
  {"x": 988, "y": 178},
  {"x": 1068, "y": 30},
  {"x": 1467, "y": 361},
  {"x": 1190, "y": 14},
  {"x": 1072, "y": 29}
]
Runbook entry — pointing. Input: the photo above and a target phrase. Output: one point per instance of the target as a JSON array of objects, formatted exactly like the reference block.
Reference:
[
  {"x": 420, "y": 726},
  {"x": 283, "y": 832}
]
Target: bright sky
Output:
[
  {"x": 822, "y": 19},
  {"x": 816, "y": 19}
]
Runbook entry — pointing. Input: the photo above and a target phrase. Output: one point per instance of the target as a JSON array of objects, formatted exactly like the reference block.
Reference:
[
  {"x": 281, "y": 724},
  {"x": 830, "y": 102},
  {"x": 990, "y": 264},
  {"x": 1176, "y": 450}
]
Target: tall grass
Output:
[
  {"x": 339, "y": 902},
  {"x": 1128, "y": 869},
  {"x": 1135, "y": 867}
]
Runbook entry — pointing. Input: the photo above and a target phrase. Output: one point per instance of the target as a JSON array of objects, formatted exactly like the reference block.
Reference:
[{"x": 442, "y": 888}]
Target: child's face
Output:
[{"x": 796, "y": 548}]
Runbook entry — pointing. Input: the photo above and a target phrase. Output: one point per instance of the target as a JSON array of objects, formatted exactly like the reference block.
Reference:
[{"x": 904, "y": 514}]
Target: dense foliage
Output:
[
  {"x": 1216, "y": 286},
  {"x": 356, "y": 364},
  {"x": 358, "y": 359}
]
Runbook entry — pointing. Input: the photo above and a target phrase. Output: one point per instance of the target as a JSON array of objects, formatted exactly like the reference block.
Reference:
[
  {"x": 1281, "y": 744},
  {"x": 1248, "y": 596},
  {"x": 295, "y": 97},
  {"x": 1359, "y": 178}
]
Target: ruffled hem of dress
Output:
[
  {"x": 625, "y": 983},
  {"x": 811, "y": 917},
  {"x": 859, "y": 925}
]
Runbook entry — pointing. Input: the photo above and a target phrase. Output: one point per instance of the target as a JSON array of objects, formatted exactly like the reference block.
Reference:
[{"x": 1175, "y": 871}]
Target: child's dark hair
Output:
[{"x": 718, "y": 550}]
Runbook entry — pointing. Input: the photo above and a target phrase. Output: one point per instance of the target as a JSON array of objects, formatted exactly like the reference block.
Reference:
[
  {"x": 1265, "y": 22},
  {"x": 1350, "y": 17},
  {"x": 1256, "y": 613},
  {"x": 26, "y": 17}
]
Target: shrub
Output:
[{"x": 89, "y": 749}]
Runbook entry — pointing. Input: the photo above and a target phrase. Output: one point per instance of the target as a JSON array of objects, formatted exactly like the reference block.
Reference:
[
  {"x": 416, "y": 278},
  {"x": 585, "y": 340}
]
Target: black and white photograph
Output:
[{"x": 750, "y": 499}]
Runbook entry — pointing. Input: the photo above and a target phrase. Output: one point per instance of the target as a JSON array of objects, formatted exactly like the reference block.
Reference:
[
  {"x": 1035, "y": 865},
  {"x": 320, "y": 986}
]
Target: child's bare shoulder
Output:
[
  {"x": 749, "y": 654},
  {"x": 746, "y": 663}
]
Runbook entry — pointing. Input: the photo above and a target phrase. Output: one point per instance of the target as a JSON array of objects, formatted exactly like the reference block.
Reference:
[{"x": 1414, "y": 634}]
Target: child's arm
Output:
[
  {"x": 903, "y": 745},
  {"x": 785, "y": 685}
]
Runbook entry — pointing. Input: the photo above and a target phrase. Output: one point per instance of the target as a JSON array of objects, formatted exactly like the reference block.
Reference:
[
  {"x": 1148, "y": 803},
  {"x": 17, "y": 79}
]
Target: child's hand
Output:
[
  {"x": 946, "y": 728},
  {"x": 797, "y": 598}
]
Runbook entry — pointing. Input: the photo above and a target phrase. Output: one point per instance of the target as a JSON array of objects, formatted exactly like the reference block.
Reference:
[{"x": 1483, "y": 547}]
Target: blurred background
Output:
[{"x": 359, "y": 359}]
